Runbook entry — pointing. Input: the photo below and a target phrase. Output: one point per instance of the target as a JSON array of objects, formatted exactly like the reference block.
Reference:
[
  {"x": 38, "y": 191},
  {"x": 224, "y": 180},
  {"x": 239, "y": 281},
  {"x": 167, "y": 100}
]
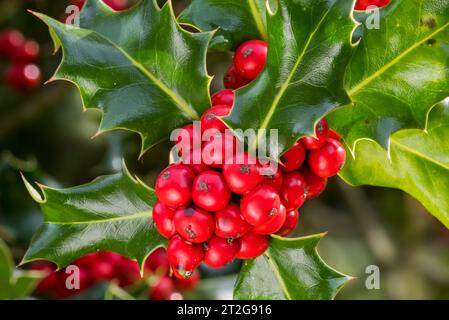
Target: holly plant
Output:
[{"x": 300, "y": 67}]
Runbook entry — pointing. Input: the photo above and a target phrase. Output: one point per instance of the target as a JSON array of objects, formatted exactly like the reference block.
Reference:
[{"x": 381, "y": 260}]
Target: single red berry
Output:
[
  {"x": 157, "y": 262},
  {"x": 174, "y": 184},
  {"x": 293, "y": 191},
  {"x": 49, "y": 282},
  {"x": 88, "y": 260},
  {"x": 328, "y": 160},
  {"x": 117, "y": 5},
  {"x": 321, "y": 132},
  {"x": 102, "y": 270},
  {"x": 23, "y": 77},
  {"x": 28, "y": 52},
  {"x": 184, "y": 256},
  {"x": 252, "y": 245},
  {"x": 242, "y": 173},
  {"x": 314, "y": 184},
  {"x": 219, "y": 148},
  {"x": 272, "y": 175},
  {"x": 219, "y": 251},
  {"x": 164, "y": 289},
  {"x": 274, "y": 224},
  {"x": 260, "y": 205},
  {"x": 210, "y": 120},
  {"x": 290, "y": 223},
  {"x": 210, "y": 191},
  {"x": 163, "y": 219},
  {"x": 233, "y": 80},
  {"x": 250, "y": 58},
  {"x": 229, "y": 222},
  {"x": 294, "y": 157},
  {"x": 190, "y": 282},
  {"x": 10, "y": 42},
  {"x": 188, "y": 138},
  {"x": 127, "y": 272},
  {"x": 363, "y": 4},
  {"x": 223, "y": 97},
  {"x": 194, "y": 224},
  {"x": 334, "y": 135},
  {"x": 194, "y": 160}
]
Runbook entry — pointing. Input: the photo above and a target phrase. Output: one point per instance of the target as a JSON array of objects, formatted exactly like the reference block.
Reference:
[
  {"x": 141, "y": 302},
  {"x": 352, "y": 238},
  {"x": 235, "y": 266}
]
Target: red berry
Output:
[
  {"x": 28, "y": 52},
  {"x": 164, "y": 289},
  {"x": 49, "y": 282},
  {"x": 252, "y": 245},
  {"x": 157, "y": 261},
  {"x": 173, "y": 186},
  {"x": 272, "y": 175},
  {"x": 128, "y": 272},
  {"x": 233, "y": 80},
  {"x": 314, "y": 184},
  {"x": 250, "y": 58},
  {"x": 328, "y": 160},
  {"x": 274, "y": 224},
  {"x": 220, "y": 251},
  {"x": 210, "y": 191},
  {"x": 210, "y": 120},
  {"x": 23, "y": 77},
  {"x": 260, "y": 205},
  {"x": 293, "y": 191},
  {"x": 321, "y": 132},
  {"x": 163, "y": 219},
  {"x": 242, "y": 173},
  {"x": 194, "y": 224},
  {"x": 220, "y": 148},
  {"x": 363, "y": 4},
  {"x": 194, "y": 160},
  {"x": 117, "y": 5},
  {"x": 223, "y": 97},
  {"x": 188, "y": 138},
  {"x": 184, "y": 256},
  {"x": 190, "y": 282},
  {"x": 294, "y": 157},
  {"x": 10, "y": 42},
  {"x": 290, "y": 223},
  {"x": 87, "y": 260},
  {"x": 102, "y": 270},
  {"x": 334, "y": 135},
  {"x": 229, "y": 222}
]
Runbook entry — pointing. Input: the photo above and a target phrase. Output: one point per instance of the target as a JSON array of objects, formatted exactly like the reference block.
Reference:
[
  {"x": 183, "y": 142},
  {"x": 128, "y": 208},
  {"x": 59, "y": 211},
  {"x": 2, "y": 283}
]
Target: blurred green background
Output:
[{"x": 45, "y": 134}]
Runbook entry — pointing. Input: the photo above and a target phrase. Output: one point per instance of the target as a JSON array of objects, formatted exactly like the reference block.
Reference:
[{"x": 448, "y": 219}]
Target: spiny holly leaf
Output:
[
  {"x": 309, "y": 48},
  {"x": 112, "y": 213},
  {"x": 15, "y": 284},
  {"x": 398, "y": 72},
  {"x": 139, "y": 67},
  {"x": 289, "y": 269},
  {"x": 419, "y": 163},
  {"x": 237, "y": 21}
]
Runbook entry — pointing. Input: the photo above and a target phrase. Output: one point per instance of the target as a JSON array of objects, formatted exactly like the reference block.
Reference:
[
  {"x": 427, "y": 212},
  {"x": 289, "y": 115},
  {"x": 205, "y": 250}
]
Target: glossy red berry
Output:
[
  {"x": 250, "y": 58},
  {"x": 363, "y": 4},
  {"x": 314, "y": 184},
  {"x": 233, "y": 80},
  {"x": 210, "y": 191},
  {"x": 157, "y": 262},
  {"x": 219, "y": 149},
  {"x": 164, "y": 289},
  {"x": 49, "y": 282},
  {"x": 28, "y": 52},
  {"x": 219, "y": 251},
  {"x": 328, "y": 160},
  {"x": 293, "y": 191},
  {"x": 10, "y": 42},
  {"x": 163, "y": 219},
  {"x": 260, "y": 205},
  {"x": 210, "y": 119},
  {"x": 290, "y": 223},
  {"x": 190, "y": 282},
  {"x": 334, "y": 135},
  {"x": 272, "y": 175},
  {"x": 194, "y": 224},
  {"x": 188, "y": 138},
  {"x": 117, "y": 5},
  {"x": 321, "y": 132},
  {"x": 229, "y": 222},
  {"x": 102, "y": 270},
  {"x": 173, "y": 186},
  {"x": 274, "y": 224},
  {"x": 223, "y": 97},
  {"x": 294, "y": 157},
  {"x": 184, "y": 256},
  {"x": 242, "y": 173},
  {"x": 23, "y": 77},
  {"x": 252, "y": 245}
]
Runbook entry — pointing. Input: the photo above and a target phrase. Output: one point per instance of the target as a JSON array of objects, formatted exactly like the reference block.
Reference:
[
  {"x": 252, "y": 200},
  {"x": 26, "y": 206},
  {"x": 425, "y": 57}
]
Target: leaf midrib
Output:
[
  {"x": 138, "y": 215},
  {"x": 258, "y": 20},
  {"x": 278, "y": 275},
  {"x": 352, "y": 91}
]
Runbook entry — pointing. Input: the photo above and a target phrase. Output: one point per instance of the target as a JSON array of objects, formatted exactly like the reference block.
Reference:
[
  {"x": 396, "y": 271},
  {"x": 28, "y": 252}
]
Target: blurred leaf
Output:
[
  {"x": 398, "y": 72},
  {"x": 308, "y": 50},
  {"x": 112, "y": 213},
  {"x": 289, "y": 269},
  {"x": 139, "y": 67}
]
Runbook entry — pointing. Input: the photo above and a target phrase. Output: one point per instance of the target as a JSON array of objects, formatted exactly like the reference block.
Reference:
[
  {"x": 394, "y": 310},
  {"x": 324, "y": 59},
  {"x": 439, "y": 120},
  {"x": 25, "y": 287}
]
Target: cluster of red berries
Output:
[
  {"x": 363, "y": 4},
  {"x": 22, "y": 74},
  {"x": 117, "y": 5},
  {"x": 225, "y": 204},
  {"x": 109, "y": 266}
]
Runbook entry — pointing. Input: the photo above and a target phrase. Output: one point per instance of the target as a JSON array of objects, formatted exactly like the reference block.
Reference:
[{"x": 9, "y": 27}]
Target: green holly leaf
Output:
[
  {"x": 289, "y": 269},
  {"x": 236, "y": 21},
  {"x": 398, "y": 72},
  {"x": 112, "y": 213},
  {"x": 14, "y": 283},
  {"x": 139, "y": 67},
  {"x": 418, "y": 163},
  {"x": 309, "y": 48}
]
